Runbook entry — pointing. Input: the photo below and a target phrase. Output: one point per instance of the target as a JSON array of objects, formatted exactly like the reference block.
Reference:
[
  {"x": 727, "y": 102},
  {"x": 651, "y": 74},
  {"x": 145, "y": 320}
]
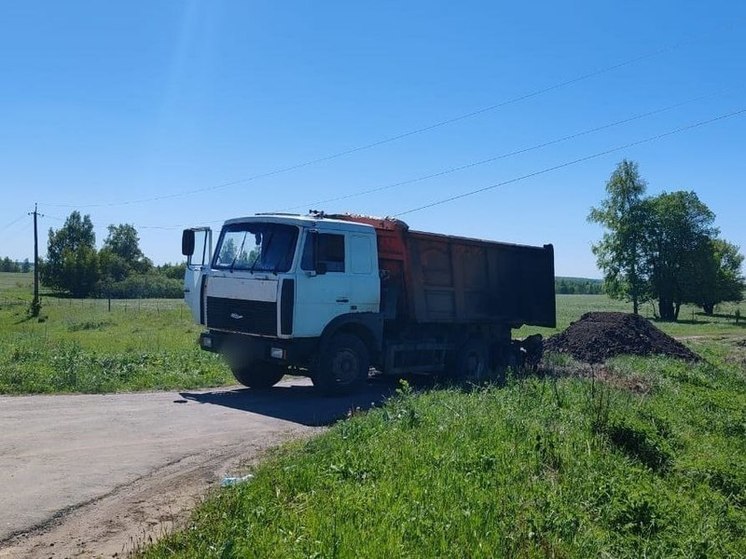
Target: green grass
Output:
[
  {"x": 15, "y": 285},
  {"x": 544, "y": 467},
  {"x": 692, "y": 321},
  {"x": 80, "y": 346}
]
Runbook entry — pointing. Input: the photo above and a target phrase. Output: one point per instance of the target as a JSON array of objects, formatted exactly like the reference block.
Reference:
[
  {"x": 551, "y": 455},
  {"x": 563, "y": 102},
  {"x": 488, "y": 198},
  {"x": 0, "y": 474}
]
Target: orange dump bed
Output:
[{"x": 429, "y": 277}]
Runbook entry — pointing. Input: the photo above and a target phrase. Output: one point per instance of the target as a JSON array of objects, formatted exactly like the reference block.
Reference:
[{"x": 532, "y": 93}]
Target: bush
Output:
[
  {"x": 149, "y": 286},
  {"x": 174, "y": 271}
]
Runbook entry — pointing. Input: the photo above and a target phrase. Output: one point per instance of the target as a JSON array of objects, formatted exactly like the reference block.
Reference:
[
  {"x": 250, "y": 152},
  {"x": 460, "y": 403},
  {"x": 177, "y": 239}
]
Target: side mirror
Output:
[{"x": 187, "y": 242}]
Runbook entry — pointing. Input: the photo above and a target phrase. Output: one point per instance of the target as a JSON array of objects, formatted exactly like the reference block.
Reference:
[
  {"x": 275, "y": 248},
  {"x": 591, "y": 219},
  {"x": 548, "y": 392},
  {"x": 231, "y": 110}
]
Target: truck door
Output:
[
  {"x": 323, "y": 282},
  {"x": 198, "y": 261}
]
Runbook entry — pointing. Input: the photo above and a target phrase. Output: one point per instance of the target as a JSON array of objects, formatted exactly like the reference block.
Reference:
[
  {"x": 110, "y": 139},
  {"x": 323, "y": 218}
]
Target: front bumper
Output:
[{"x": 296, "y": 351}]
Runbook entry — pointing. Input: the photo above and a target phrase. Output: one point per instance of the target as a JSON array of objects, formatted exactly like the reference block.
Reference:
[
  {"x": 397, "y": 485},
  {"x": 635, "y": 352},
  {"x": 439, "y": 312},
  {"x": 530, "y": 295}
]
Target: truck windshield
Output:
[{"x": 257, "y": 247}]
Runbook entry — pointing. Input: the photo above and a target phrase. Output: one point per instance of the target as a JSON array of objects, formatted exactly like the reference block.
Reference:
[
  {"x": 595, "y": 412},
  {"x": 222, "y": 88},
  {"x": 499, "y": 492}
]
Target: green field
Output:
[
  {"x": 82, "y": 346},
  {"x": 692, "y": 321},
  {"x": 100, "y": 346}
]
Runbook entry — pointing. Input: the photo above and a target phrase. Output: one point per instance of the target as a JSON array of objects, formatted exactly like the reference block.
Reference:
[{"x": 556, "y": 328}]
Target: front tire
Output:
[
  {"x": 342, "y": 365},
  {"x": 259, "y": 374}
]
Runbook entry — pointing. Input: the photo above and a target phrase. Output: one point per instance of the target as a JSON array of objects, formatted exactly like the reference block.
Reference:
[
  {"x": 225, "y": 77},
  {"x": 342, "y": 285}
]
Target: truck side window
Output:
[
  {"x": 331, "y": 252},
  {"x": 360, "y": 254}
]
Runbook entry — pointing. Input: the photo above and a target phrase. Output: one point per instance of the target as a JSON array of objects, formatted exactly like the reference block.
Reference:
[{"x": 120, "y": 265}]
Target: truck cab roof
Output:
[{"x": 318, "y": 221}]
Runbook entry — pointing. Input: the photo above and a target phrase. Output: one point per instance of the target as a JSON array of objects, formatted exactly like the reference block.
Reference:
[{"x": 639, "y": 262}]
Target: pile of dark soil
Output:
[{"x": 598, "y": 336}]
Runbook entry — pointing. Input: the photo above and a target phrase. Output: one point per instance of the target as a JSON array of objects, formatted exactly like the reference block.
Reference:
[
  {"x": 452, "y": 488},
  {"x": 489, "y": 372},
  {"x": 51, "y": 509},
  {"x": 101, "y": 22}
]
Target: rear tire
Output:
[
  {"x": 342, "y": 366},
  {"x": 473, "y": 361},
  {"x": 259, "y": 374}
]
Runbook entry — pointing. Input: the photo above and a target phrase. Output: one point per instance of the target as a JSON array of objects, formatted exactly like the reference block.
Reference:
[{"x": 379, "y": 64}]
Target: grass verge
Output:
[
  {"x": 83, "y": 346},
  {"x": 544, "y": 467}
]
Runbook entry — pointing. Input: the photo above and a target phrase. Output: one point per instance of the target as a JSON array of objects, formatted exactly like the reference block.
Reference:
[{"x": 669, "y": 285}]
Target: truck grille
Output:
[{"x": 236, "y": 315}]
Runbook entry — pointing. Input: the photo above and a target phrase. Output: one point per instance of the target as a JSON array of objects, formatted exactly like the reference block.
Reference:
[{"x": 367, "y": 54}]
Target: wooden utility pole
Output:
[{"x": 36, "y": 304}]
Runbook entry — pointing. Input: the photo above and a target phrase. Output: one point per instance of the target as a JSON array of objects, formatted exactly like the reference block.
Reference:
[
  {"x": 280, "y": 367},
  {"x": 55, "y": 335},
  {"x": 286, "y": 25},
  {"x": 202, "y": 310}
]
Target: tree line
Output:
[
  {"x": 8, "y": 265},
  {"x": 119, "y": 269},
  {"x": 663, "y": 248},
  {"x": 578, "y": 286}
]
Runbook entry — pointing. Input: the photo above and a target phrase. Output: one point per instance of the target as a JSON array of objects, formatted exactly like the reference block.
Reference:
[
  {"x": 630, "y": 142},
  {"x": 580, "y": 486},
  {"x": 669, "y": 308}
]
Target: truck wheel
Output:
[
  {"x": 342, "y": 366},
  {"x": 259, "y": 374},
  {"x": 473, "y": 361},
  {"x": 506, "y": 357}
]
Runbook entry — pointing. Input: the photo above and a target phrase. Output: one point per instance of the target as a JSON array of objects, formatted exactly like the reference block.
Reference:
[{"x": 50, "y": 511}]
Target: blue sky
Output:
[{"x": 137, "y": 112}]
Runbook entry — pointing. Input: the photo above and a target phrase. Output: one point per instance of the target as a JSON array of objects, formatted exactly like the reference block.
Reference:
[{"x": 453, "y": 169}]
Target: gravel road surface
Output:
[{"x": 95, "y": 475}]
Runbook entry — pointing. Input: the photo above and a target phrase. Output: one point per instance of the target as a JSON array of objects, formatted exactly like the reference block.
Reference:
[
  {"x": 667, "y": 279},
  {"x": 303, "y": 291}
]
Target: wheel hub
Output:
[{"x": 345, "y": 366}]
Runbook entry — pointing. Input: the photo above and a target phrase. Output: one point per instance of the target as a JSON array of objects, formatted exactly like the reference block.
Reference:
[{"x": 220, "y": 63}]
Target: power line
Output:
[
  {"x": 389, "y": 139},
  {"x": 19, "y": 232},
  {"x": 502, "y": 156},
  {"x": 4, "y": 227},
  {"x": 517, "y": 179},
  {"x": 574, "y": 162},
  {"x": 495, "y": 158},
  {"x": 55, "y": 217}
]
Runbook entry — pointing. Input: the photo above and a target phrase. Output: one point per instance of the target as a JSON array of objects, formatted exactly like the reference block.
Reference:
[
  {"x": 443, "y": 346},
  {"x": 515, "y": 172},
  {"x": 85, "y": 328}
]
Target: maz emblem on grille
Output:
[{"x": 236, "y": 316}]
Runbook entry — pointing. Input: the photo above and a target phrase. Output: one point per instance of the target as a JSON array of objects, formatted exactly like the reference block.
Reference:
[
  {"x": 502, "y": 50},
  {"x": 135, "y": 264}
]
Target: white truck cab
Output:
[{"x": 276, "y": 286}]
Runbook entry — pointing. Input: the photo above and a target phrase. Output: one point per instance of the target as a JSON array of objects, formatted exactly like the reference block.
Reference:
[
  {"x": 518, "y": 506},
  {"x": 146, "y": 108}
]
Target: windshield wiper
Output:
[
  {"x": 262, "y": 251},
  {"x": 235, "y": 257}
]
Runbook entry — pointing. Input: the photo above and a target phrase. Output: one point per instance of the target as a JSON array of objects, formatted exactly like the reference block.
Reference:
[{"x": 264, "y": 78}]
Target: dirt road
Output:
[{"x": 93, "y": 475}]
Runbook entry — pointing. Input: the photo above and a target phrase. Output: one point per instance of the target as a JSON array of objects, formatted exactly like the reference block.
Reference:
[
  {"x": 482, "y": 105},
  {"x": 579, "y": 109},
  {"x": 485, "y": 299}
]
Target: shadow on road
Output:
[{"x": 298, "y": 403}]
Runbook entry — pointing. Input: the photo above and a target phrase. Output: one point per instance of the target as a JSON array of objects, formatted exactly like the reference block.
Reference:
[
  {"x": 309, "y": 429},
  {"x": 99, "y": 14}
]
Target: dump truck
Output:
[{"x": 332, "y": 296}]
